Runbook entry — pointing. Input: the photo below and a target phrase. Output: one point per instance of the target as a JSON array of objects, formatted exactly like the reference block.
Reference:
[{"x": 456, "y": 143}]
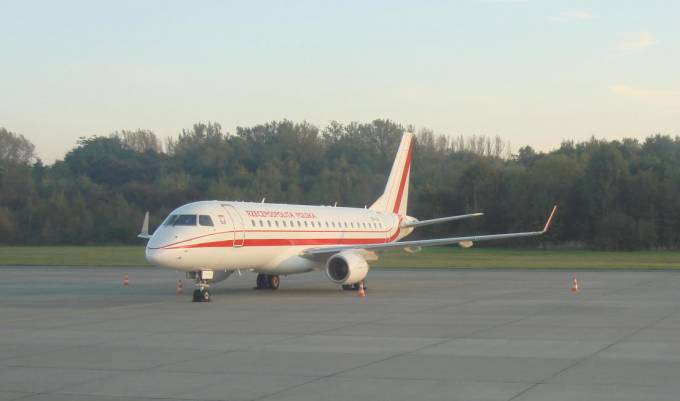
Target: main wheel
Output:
[
  {"x": 261, "y": 281},
  {"x": 274, "y": 282},
  {"x": 352, "y": 287},
  {"x": 198, "y": 297},
  {"x": 205, "y": 295}
]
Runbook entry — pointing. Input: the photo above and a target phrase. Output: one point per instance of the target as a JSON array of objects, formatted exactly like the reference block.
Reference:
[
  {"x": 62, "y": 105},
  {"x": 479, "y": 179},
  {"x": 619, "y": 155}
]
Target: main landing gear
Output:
[
  {"x": 267, "y": 282},
  {"x": 353, "y": 287}
]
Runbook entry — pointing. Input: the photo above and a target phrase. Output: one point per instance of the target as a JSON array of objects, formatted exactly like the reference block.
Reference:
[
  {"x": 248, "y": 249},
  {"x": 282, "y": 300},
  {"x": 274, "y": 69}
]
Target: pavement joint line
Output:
[
  {"x": 252, "y": 347},
  {"x": 352, "y": 324},
  {"x": 24, "y": 395},
  {"x": 121, "y": 372},
  {"x": 606, "y": 347},
  {"x": 588, "y": 357},
  {"x": 443, "y": 341},
  {"x": 392, "y": 356},
  {"x": 66, "y": 314},
  {"x": 473, "y": 333}
]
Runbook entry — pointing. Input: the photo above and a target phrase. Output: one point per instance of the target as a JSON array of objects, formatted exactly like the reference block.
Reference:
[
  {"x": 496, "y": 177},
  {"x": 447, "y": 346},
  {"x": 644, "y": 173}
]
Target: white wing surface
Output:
[{"x": 427, "y": 242}]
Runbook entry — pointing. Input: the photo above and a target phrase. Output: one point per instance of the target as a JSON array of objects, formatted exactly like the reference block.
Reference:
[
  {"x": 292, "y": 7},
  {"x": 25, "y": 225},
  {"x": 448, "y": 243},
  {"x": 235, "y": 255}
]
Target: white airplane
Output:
[{"x": 210, "y": 240}]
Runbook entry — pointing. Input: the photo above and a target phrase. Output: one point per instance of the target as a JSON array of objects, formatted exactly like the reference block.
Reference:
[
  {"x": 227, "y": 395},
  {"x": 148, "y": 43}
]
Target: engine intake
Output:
[{"x": 346, "y": 268}]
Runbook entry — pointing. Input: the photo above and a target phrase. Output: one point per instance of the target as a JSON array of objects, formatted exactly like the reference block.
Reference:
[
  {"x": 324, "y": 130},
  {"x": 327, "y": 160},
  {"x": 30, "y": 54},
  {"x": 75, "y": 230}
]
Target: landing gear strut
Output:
[{"x": 267, "y": 282}]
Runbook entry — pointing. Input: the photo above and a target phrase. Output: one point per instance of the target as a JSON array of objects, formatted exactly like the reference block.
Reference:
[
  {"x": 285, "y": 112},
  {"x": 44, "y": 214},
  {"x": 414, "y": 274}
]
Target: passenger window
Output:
[
  {"x": 276, "y": 222},
  {"x": 252, "y": 222},
  {"x": 261, "y": 223},
  {"x": 345, "y": 224},
  {"x": 326, "y": 224},
  {"x": 283, "y": 222},
  {"x": 205, "y": 221},
  {"x": 222, "y": 220},
  {"x": 185, "y": 220},
  {"x": 305, "y": 223},
  {"x": 269, "y": 223}
]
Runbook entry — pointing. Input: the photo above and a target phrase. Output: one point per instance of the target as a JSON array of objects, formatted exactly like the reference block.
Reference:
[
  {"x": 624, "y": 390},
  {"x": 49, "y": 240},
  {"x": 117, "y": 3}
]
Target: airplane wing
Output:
[
  {"x": 420, "y": 223},
  {"x": 427, "y": 242}
]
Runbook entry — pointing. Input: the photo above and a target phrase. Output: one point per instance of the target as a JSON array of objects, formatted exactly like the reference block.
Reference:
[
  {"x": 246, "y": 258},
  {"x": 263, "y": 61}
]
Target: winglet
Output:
[
  {"x": 145, "y": 227},
  {"x": 550, "y": 218}
]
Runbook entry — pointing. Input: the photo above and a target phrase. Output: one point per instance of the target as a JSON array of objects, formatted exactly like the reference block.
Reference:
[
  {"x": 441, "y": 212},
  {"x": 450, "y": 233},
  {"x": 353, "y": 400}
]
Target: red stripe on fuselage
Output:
[
  {"x": 174, "y": 244},
  {"x": 287, "y": 242},
  {"x": 404, "y": 174}
]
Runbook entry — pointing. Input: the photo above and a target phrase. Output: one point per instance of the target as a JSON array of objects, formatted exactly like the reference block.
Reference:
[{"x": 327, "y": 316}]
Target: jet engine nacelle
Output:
[{"x": 346, "y": 268}]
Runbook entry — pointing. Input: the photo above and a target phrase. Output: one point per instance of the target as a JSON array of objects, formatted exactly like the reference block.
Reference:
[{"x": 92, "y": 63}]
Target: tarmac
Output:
[{"x": 70, "y": 333}]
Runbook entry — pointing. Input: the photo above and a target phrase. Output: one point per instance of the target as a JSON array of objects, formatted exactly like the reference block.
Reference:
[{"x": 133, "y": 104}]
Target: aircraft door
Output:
[{"x": 237, "y": 221}]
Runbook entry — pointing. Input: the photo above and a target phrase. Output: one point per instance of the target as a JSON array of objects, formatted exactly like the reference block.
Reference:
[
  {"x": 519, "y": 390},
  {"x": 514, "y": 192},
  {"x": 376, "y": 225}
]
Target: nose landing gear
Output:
[
  {"x": 201, "y": 295},
  {"x": 202, "y": 289}
]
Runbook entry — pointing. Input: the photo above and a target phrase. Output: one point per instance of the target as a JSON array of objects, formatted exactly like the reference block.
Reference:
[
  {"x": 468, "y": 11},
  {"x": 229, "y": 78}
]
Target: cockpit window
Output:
[
  {"x": 170, "y": 220},
  {"x": 185, "y": 220},
  {"x": 205, "y": 220}
]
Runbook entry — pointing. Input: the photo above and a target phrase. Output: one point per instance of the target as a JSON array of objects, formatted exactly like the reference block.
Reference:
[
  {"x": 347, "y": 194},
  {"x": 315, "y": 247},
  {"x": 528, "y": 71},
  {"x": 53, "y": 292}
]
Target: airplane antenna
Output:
[
  {"x": 263, "y": 199},
  {"x": 335, "y": 204}
]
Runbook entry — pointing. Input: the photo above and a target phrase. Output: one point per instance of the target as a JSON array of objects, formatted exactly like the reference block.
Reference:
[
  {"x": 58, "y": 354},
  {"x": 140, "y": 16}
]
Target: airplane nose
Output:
[
  {"x": 152, "y": 256},
  {"x": 158, "y": 257}
]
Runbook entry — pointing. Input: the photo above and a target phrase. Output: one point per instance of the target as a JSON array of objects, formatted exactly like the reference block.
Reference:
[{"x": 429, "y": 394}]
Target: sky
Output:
[{"x": 533, "y": 72}]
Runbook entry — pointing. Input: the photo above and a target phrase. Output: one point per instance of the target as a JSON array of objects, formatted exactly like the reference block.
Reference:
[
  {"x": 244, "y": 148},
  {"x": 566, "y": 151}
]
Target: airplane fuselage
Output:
[{"x": 263, "y": 237}]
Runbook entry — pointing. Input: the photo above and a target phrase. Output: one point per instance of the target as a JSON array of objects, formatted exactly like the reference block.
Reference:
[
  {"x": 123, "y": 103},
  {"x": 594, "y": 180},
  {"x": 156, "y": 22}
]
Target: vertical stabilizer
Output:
[{"x": 395, "y": 197}]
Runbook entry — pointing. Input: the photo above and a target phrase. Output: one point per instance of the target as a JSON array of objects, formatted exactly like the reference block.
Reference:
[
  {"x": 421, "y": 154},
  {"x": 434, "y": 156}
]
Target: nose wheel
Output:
[
  {"x": 202, "y": 291},
  {"x": 201, "y": 295}
]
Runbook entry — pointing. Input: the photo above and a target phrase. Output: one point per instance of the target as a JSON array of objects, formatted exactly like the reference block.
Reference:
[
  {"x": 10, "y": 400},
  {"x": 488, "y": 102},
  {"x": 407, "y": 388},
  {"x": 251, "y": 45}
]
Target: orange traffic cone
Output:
[
  {"x": 126, "y": 280},
  {"x": 362, "y": 291},
  {"x": 574, "y": 286},
  {"x": 180, "y": 287}
]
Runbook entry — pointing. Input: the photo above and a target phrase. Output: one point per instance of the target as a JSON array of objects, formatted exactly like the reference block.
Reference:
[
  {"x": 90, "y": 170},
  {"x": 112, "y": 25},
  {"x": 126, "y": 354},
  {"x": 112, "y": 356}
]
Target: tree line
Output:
[{"x": 611, "y": 194}]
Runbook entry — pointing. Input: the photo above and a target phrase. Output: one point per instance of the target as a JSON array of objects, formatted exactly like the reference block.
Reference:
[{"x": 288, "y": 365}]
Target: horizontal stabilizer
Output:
[{"x": 421, "y": 223}]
